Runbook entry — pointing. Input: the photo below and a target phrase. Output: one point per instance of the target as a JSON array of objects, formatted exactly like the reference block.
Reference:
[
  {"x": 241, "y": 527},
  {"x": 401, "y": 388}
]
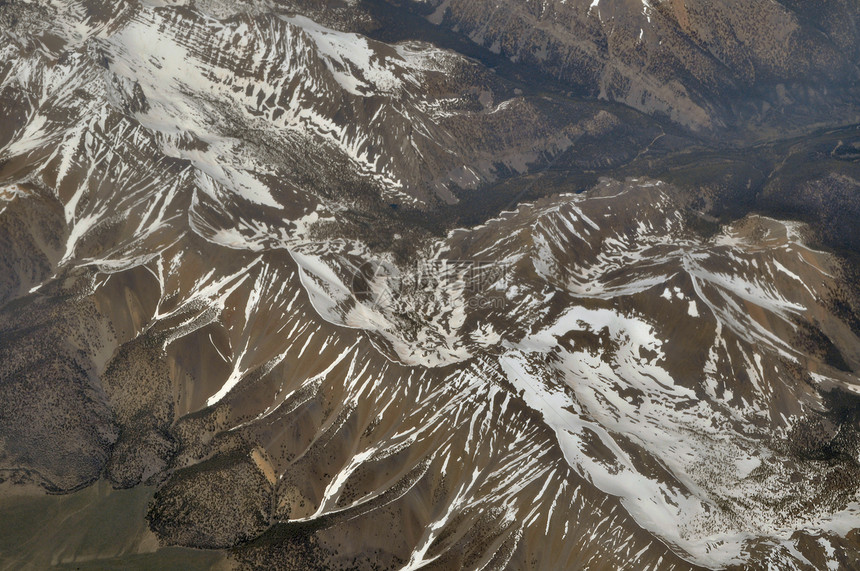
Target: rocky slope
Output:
[{"x": 707, "y": 64}]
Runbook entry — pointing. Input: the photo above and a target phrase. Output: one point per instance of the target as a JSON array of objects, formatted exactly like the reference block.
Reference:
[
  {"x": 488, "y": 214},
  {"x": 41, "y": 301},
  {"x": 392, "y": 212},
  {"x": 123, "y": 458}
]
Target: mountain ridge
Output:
[{"x": 354, "y": 304}]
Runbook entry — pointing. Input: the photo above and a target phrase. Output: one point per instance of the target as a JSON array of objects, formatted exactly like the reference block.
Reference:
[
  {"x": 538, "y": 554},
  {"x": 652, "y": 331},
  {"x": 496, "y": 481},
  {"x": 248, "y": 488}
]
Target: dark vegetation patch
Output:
[
  {"x": 137, "y": 381},
  {"x": 57, "y": 426},
  {"x": 832, "y": 435},
  {"x": 810, "y": 339},
  {"x": 214, "y": 504}
]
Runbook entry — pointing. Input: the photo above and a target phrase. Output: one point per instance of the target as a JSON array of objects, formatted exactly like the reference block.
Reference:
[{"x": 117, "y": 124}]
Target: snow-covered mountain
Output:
[{"x": 237, "y": 267}]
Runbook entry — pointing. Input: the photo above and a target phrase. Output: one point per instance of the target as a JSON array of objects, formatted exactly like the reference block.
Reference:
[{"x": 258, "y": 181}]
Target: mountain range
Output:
[{"x": 433, "y": 284}]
